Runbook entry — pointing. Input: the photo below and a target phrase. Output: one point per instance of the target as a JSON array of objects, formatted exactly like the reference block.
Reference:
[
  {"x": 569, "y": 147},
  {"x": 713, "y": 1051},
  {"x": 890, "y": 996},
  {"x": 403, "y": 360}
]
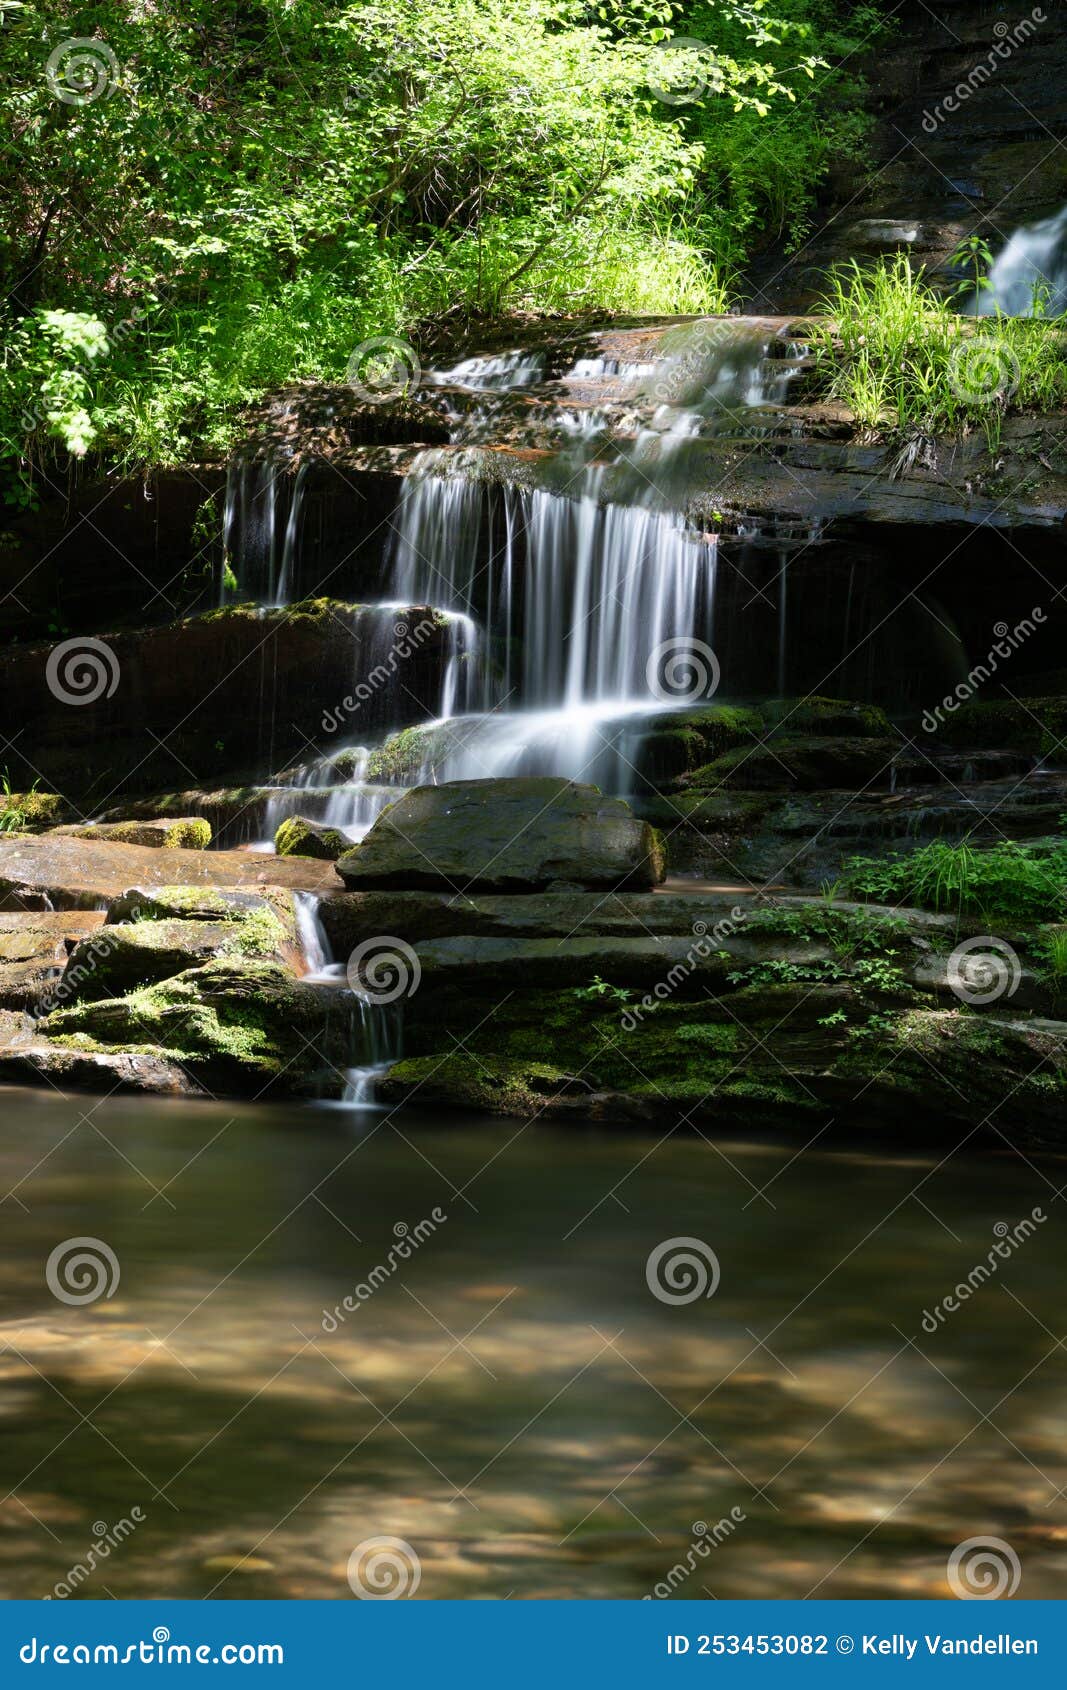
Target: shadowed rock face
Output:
[
  {"x": 522, "y": 835},
  {"x": 208, "y": 694}
]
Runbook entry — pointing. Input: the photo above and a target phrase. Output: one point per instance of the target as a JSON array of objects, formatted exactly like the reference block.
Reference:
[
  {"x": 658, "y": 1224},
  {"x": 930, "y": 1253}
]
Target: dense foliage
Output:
[{"x": 206, "y": 198}]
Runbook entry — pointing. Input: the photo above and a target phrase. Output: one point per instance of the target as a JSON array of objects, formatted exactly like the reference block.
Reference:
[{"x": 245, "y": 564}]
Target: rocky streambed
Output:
[{"x": 518, "y": 947}]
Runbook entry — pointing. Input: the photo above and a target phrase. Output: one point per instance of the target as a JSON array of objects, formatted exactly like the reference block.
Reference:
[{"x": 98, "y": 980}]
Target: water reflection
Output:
[{"x": 511, "y": 1399}]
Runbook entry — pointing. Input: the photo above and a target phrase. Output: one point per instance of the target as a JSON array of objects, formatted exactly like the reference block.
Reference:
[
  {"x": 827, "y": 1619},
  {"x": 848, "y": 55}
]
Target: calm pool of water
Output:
[{"x": 513, "y": 1400}]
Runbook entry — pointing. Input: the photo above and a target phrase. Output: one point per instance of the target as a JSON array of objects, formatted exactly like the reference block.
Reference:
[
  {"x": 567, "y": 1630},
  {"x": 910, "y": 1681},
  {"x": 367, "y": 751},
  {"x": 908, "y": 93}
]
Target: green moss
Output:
[
  {"x": 30, "y": 810},
  {"x": 298, "y": 837},
  {"x": 1037, "y": 725}
]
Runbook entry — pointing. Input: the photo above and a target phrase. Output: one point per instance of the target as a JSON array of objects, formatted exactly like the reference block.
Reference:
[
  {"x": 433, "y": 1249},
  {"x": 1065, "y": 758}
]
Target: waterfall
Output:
[
  {"x": 1034, "y": 259},
  {"x": 378, "y": 1044},
  {"x": 309, "y": 929},
  {"x": 260, "y": 535}
]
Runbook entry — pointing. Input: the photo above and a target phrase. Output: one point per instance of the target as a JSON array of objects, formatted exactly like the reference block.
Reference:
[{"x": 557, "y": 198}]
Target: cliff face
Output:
[{"x": 972, "y": 113}]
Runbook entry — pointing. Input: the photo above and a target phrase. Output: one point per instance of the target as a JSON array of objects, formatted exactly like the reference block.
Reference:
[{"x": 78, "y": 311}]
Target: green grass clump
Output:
[
  {"x": 1011, "y": 881},
  {"x": 902, "y": 359}
]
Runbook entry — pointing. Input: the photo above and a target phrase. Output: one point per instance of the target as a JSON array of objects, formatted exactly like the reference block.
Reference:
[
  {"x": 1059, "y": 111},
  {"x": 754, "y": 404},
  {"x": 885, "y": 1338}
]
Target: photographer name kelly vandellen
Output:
[{"x": 1003, "y": 1643}]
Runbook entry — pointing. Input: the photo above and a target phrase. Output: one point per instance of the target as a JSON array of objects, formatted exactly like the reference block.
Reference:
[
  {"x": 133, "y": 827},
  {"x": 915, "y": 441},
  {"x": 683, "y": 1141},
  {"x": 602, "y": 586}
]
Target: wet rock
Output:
[
  {"x": 808, "y": 764},
  {"x": 36, "y": 1061},
  {"x": 168, "y": 833},
  {"x": 181, "y": 698},
  {"x": 87, "y": 874},
  {"x": 299, "y": 837},
  {"x": 200, "y": 903},
  {"x": 349, "y": 917},
  {"x": 121, "y": 957},
  {"x": 1037, "y": 725},
  {"x": 520, "y": 835},
  {"x": 33, "y": 953},
  {"x": 237, "y": 1025}
]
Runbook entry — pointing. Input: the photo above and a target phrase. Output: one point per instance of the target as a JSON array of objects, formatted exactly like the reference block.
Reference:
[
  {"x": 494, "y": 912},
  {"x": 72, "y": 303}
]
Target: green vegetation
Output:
[
  {"x": 904, "y": 361},
  {"x": 207, "y": 200},
  {"x": 1010, "y": 881}
]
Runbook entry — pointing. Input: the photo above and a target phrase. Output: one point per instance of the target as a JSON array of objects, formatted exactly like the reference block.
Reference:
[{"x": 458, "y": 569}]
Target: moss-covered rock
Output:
[
  {"x": 30, "y": 810},
  {"x": 1037, "y": 725},
  {"x": 298, "y": 837},
  {"x": 805, "y": 763},
  {"x": 121, "y": 957},
  {"x": 235, "y": 1025},
  {"x": 169, "y": 833}
]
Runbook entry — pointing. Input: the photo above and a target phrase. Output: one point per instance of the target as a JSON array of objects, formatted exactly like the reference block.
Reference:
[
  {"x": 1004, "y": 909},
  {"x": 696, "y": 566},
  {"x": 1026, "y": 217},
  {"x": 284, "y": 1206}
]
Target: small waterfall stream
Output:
[{"x": 1032, "y": 265}]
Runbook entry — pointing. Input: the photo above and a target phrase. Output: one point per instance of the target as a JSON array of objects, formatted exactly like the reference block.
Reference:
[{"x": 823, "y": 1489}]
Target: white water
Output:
[
  {"x": 563, "y": 594},
  {"x": 1035, "y": 258}
]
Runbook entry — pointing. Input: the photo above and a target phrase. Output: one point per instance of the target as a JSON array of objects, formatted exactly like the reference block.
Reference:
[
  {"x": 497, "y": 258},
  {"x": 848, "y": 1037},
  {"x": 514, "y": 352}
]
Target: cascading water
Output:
[
  {"x": 1031, "y": 270},
  {"x": 261, "y": 530},
  {"x": 565, "y": 598},
  {"x": 568, "y": 592}
]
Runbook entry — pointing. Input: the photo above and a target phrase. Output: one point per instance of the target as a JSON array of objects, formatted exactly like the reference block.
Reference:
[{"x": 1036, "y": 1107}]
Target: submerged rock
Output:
[{"x": 521, "y": 835}]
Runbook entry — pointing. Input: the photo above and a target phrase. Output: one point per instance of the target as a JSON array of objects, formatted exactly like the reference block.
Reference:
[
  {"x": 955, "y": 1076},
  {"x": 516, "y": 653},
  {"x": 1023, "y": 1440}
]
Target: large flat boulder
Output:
[
  {"x": 521, "y": 835},
  {"x": 83, "y": 873}
]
